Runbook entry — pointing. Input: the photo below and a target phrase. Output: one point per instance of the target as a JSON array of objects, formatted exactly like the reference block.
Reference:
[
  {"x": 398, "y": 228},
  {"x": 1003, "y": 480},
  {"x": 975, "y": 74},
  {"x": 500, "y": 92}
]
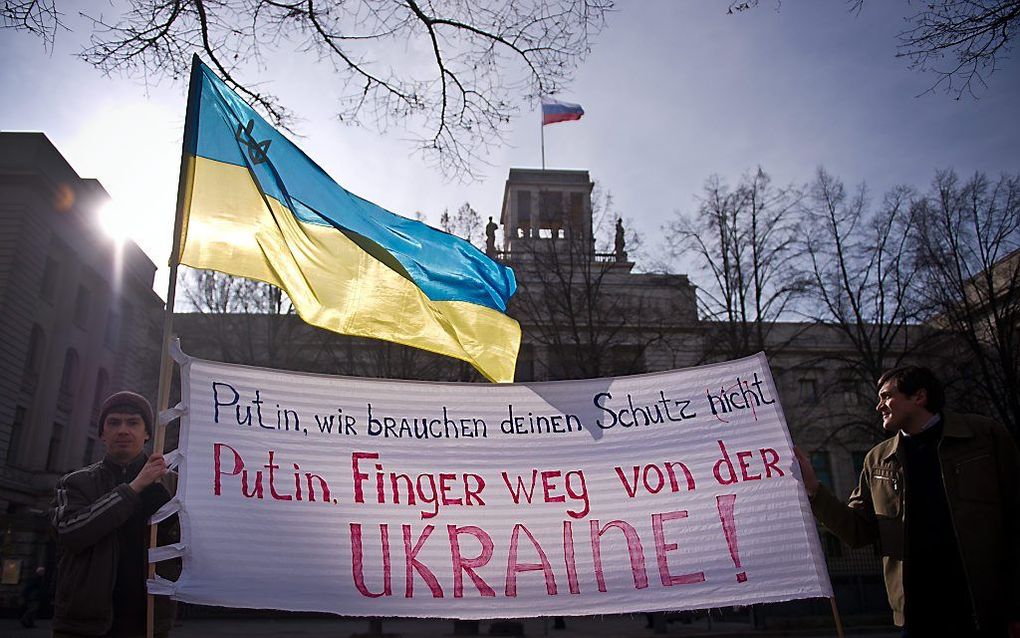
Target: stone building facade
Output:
[{"x": 78, "y": 317}]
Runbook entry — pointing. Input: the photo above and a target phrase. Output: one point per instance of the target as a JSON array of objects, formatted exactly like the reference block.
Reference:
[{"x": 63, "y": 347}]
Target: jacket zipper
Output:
[
  {"x": 116, "y": 552},
  {"x": 895, "y": 483}
]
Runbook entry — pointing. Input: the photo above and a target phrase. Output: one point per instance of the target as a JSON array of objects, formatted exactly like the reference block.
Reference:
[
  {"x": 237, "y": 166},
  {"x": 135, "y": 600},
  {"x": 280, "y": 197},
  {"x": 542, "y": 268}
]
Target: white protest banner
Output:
[{"x": 675, "y": 490}]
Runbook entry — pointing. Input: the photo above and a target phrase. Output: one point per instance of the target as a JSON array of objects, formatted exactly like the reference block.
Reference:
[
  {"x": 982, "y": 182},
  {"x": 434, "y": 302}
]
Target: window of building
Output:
[
  {"x": 90, "y": 451},
  {"x": 564, "y": 362},
  {"x": 576, "y": 218},
  {"x": 49, "y": 280},
  {"x": 848, "y": 389},
  {"x": 70, "y": 373},
  {"x": 52, "y": 455},
  {"x": 524, "y": 207},
  {"x": 627, "y": 359},
  {"x": 36, "y": 343},
  {"x": 112, "y": 329},
  {"x": 17, "y": 427},
  {"x": 823, "y": 468},
  {"x": 551, "y": 205},
  {"x": 102, "y": 387},
  {"x": 81, "y": 307},
  {"x": 850, "y": 396},
  {"x": 808, "y": 391},
  {"x": 33, "y": 362},
  {"x": 525, "y": 364},
  {"x": 68, "y": 381}
]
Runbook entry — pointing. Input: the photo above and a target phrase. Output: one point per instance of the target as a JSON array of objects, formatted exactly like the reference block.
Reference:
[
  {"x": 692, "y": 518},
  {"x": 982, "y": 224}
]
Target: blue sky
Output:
[{"x": 673, "y": 92}]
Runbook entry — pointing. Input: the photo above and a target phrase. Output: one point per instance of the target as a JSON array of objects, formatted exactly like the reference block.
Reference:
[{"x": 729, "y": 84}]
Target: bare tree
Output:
[
  {"x": 38, "y": 17},
  {"x": 575, "y": 307},
  {"x": 962, "y": 42},
  {"x": 861, "y": 277},
  {"x": 212, "y": 291},
  {"x": 862, "y": 291},
  {"x": 744, "y": 239},
  {"x": 969, "y": 249},
  {"x": 246, "y": 321},
  {"x": 452, "y": 73},
  {"x": 465, "y": 223},
  {"x": 584, "y": 308}
]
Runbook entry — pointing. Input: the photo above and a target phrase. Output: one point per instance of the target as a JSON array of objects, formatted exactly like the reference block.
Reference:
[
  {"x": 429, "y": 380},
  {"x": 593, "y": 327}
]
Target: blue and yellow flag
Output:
[{"x": 256, "y": 206}]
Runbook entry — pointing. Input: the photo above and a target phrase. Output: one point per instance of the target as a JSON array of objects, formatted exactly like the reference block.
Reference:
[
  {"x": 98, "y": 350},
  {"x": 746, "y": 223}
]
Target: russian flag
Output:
[{"x": 555, "y": 111}]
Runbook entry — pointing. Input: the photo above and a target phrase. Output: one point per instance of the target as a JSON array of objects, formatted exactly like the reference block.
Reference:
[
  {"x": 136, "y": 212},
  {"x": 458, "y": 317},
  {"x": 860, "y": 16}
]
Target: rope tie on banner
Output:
[
  {"x": 170, "y": 414},
  {"x": 177, "y": 353},
  {"x": 169, "y": 508},
  {"x": 156, "y": 584},
  {"x": 173, "y": 458},
  {"x": 159, "y": 586},
  {"x": 166, "y": 552}
]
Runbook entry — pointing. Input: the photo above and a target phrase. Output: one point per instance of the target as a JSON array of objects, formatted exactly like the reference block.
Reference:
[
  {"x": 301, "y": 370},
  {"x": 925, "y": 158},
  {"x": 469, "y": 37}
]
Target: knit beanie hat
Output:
[{"x": 126, "y": 402}]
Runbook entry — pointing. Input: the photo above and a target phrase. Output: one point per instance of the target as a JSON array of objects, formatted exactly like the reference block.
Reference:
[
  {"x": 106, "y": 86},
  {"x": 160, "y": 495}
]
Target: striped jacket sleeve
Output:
[{"x": 81, "y": 521}]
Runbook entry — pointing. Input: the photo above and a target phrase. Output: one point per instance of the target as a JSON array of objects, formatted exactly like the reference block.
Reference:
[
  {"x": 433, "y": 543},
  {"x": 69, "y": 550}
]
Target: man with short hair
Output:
[
  {"x": 101, "y": 517},
  {"x": 941, "y": 498}
]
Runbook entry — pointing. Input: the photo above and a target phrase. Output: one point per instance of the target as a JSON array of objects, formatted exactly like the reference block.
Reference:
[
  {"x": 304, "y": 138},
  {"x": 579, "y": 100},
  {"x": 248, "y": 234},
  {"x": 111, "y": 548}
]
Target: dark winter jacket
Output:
[
  {"x": 979, "y": 465},
  {"x": 90, "y": 505}
]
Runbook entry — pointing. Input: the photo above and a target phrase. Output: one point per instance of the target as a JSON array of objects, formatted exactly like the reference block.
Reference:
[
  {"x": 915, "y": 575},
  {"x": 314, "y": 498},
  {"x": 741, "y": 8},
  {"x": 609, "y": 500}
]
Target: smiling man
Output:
[
  {"x": 941, "y": 499},
  {"x": 101, "y": 517}
]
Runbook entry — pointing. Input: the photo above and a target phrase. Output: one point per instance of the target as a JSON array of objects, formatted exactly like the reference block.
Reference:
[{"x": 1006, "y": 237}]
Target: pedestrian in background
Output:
[{"x": 35, "y": 591}]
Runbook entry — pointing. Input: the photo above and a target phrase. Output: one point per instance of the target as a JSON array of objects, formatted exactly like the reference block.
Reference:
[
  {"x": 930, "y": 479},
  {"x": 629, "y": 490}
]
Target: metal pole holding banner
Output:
[
  {"x": 166, "y": 362},
  {"x": 836, "y": 618}
]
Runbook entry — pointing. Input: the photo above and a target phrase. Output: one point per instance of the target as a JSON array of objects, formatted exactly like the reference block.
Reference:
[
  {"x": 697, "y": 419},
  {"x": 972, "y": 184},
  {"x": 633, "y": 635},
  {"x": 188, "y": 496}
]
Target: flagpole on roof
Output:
[
  {"x": 542, "y": 128},
  {"x": 166, "y": 364}
]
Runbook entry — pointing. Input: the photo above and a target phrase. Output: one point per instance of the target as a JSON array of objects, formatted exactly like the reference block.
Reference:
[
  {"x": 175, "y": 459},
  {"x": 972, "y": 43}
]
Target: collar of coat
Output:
[
  {"x": 133, "y": 467},
  {"x": 952, "y": 426}
]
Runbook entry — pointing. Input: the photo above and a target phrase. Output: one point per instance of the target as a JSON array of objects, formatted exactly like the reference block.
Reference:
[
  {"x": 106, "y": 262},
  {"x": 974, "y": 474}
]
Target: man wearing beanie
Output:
[{"x": 101, "y": 515}]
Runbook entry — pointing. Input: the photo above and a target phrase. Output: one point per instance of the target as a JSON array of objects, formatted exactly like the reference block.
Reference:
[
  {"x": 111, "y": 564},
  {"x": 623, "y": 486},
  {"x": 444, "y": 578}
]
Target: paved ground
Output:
[{"x": 605, "y": 627}]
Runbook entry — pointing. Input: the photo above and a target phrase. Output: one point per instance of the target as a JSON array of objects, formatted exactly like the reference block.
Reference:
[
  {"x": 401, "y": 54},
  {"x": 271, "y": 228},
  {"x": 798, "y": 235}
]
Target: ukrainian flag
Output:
[{"x": 254, "y": 205}]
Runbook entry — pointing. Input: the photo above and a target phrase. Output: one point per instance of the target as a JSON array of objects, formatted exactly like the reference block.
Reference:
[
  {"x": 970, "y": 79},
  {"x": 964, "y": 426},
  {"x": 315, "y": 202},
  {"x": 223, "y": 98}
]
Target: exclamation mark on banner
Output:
[{"x": 724, "y": 504}]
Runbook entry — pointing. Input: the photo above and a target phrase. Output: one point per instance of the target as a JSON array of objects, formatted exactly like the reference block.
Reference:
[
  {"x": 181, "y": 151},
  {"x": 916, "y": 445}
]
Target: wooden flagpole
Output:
[
  {"x": 836, "y": 618},
  {"x": 166, "y": 364}
]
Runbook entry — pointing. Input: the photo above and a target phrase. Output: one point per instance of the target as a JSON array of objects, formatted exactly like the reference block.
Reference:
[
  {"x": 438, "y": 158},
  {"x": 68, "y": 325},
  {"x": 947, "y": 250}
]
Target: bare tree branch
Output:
[
  {"x": 861, "y": 278},
  {"x": 465, "y": 223},
  {"x": 486, "y": 60},
  {"x": 969, "y": 251},
  {"x": 590, "y": 316},
  {"x": 743, "y": 239},
  {"x": 962, "y": 42},
  {"x": 38, "y": 17}
]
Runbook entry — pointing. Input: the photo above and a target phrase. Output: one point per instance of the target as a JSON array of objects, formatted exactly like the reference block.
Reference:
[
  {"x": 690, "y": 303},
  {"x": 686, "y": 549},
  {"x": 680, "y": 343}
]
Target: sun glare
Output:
[
  {"x": 115, "y": 220},
  {"x": 133, "y": 148}
]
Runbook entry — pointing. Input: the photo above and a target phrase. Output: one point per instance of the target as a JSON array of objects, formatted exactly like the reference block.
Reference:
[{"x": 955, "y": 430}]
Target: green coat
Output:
[{"x": 981, "y": 472}]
